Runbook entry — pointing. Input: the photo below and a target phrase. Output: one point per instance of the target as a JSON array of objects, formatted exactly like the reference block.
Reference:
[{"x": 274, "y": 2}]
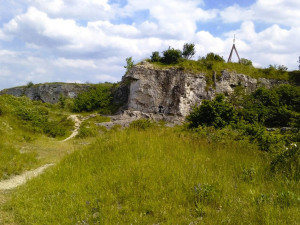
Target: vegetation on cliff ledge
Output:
[{"x": 215, "y": 63}]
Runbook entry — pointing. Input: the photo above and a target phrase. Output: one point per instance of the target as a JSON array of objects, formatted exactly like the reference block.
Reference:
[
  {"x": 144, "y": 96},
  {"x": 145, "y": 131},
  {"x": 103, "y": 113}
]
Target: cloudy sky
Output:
[{"x": 88, "y": 40}]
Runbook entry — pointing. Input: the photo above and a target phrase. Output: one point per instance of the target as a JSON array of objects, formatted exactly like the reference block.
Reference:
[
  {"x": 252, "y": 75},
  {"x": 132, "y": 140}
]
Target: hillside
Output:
[{"x": 234, "y": 158}]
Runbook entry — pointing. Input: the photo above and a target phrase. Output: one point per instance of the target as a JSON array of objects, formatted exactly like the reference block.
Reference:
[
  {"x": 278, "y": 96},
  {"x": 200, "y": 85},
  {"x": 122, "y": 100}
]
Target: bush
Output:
[
  {"x": 246, "y": 62},
  {"x": 129, "y": 64},
  {"x": 171, "y": 56},
  {"x": 217, "y": 113},
  {"x": 97, "y": 98},
  {"x": 267, "y": 141},
  {"x": 155, "y": 57},
  {"x": 272, "y": 107},
  {"x": 214, "y": 57},
  {"x": 58, "y": 128},
  {"x": 29, "y": 84},
  {"x": 287, "y": 163}
]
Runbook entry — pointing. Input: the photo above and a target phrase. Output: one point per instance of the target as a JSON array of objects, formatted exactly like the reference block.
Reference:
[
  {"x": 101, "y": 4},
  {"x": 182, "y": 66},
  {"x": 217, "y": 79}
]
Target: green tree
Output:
[
  {"x": 155, "y": 57},
  {"x": 171, "y": 56},
  {"x": 62, "y": 101},
  {"x": 129, "y": 63},
  {"x": 214, "y": 57},
  {"x": 188, "y": 50}
]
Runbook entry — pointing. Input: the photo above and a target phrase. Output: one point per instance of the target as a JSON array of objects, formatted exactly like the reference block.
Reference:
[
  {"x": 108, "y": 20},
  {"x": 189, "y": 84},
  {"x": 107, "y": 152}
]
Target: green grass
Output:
[
  {"x": 160, "y": 176},
  {"x": 23, "y": 126},
  {"x": 207, "y": 68},
  {"x": 88, "y": 128}
]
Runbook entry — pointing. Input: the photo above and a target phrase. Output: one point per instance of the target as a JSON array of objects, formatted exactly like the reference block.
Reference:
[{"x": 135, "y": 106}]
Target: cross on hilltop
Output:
[{"x": 233, "y": 48}]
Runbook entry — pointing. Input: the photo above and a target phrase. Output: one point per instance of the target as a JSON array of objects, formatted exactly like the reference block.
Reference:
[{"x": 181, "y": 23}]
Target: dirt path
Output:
[
  {"x": 21, "y": 179},
  {"x": 77, "y": 125}
]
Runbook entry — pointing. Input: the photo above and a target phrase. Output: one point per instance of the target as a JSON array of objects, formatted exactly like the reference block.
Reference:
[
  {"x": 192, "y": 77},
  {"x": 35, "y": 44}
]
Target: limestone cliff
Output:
[
  {"x": 47, "y": 92},
  {"x": 175, "y": 91}
]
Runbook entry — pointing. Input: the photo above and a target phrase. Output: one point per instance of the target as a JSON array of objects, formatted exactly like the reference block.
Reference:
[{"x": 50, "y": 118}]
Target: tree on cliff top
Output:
[
  {"x": 188, "y": 50},
  {"x": 171, "y": 56}
]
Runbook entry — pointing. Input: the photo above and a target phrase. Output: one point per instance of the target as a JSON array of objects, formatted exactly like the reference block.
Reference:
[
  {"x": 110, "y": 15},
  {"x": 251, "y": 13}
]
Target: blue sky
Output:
[{"x": 88, "y": 40}]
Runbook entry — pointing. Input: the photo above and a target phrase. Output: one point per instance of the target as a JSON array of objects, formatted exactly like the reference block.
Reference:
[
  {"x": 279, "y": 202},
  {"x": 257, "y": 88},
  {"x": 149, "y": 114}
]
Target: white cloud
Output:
[
  {"x": 175, "y": 19},
  {"x": 283, "y": 12},
  {"x": 79, "y": 9},
  {"x": 75, "y": 63},
  {"x": 105, "y": 77},
  {"x": 75, "y": 40}
]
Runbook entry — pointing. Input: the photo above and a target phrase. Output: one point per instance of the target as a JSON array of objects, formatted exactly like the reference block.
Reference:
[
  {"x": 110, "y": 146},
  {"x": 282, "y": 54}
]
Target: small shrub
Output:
[
  {"x": 58, "y": 128},
  {"x": 88, "y": 129},
  {"x": 129, "y": 64},
  {"x": 29, "y": 84},
  {"x": 287, "y": 163},
  {"x": 246, "y": 62},
  {"x": 207, "y": 194},
  {"x": 248, "y": 174},
  {"x": 267, "y": 141},
  {"x": 286, "y": 199},
  {"x": 62, "y": 101}
]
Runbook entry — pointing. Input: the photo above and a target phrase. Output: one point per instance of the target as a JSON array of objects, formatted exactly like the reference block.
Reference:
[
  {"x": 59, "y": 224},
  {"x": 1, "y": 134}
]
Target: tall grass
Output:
[
  {"x": 160, "y": 176},
  {"x": 22, "y": 122}
]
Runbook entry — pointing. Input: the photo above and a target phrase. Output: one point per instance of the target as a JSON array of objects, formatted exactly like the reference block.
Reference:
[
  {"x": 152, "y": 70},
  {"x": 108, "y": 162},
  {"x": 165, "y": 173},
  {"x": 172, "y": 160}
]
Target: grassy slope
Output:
[
  {"x": 159, "y": 176},
  {"x": 22, "y": 143}
]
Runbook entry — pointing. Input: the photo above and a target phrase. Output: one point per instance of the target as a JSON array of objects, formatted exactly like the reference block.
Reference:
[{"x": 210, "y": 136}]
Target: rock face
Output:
[
  {"x": 47, "y": 92},
  {"x": 174, "y": 91}
]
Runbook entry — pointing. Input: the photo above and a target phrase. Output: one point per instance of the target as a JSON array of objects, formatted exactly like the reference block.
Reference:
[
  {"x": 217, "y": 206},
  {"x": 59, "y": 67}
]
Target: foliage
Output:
[
  {"x": 272, "y": 107},
  {"x": 155, "y": 57},
  {"x": 29, "y": 84},
  {"x": 98, "y": 97},
  {"x": 188, "y": 50},
  {"x": 171, "y": 56},
  {"x": 58, "y": 128},
  {"x": 214, "y": 62},
  {"x": 129, "y": 64},
  {"x": 246, "y": 62},
  {"x": 159, "y": 176},
  {"x": 214, "y": 57},
  {"x": 62, "y": 101},
  {"x": 288, "y": 162},
  {"x": 294, "y": 76},
  {"x": 36, "y": 116},
  {"x": 217, "y": 113}
]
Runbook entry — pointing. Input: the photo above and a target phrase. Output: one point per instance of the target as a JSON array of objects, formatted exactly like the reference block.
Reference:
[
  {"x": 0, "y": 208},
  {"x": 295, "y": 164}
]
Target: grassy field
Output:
[{"x": 160, "y": 176}]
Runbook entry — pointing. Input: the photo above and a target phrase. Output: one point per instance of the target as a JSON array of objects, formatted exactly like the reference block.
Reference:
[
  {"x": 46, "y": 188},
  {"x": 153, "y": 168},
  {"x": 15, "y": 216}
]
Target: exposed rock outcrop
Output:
[
  {"x": 126, "y": 117},
  {"x": 47, "y": 92},
  {"x": 174, "y": 91}
]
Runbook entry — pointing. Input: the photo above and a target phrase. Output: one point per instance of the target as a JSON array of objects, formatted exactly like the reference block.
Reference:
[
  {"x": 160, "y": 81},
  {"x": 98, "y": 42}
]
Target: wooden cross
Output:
[{"x": 233, "y": 48}]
